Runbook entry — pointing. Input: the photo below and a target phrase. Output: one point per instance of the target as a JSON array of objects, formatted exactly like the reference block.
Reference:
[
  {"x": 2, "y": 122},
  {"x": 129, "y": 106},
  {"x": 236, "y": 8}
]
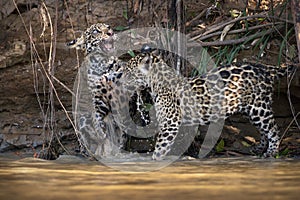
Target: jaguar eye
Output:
[
  {"x": 72, "y": 42},
  {"x": 96, "y": 31}
]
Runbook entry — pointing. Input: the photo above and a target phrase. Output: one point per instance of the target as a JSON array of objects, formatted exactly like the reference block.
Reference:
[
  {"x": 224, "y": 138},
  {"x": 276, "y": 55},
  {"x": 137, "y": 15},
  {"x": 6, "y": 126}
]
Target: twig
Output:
[
  {"x": 195, "y": 18},
  {"x": 71, "y": 23},
  {"x": 218, "y": 26},
  {"x": 289, "y": 98},
  {"x": 223, "y": 24},
  {"x": 236, "y": 41},
  {"x": 43, "y": 67},
  {"x": 51, "y": 58},
  {"x": 291, "y": 105},
  {"x": 200, "y": 37},
  {"x": 290, "y": 124},
  {"x": 179, "y": 39},
  {"x": 62, "y": 84}
]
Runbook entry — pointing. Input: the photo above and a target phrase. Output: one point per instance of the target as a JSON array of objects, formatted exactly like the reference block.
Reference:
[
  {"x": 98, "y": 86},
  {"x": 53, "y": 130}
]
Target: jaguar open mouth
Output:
[{"x": 107, "y": 45}]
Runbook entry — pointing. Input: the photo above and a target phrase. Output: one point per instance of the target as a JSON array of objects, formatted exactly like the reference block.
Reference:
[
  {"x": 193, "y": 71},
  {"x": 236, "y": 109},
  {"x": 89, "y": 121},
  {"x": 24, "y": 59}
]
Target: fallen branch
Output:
[
  {"x": 223, "y": 24},
  {"x": 238, "y": 41},
  {"x": 195, "y": 18},
  {"x": 204, "y": 37}
]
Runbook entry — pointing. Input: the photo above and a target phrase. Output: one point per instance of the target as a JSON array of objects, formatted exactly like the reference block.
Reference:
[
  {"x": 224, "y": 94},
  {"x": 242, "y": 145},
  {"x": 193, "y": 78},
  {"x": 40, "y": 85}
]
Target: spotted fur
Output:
[
  {"x": 225, "y": 90},
  {"x": 103, "y": 72},
  {"x": 97, "y": 42}
]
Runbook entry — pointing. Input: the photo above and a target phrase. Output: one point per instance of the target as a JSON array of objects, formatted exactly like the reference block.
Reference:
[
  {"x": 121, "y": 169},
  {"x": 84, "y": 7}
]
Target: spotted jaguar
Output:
[
  {"x": 100, "y": 130},
  {"x": 225, "y": 90},
  {"x": 95, "y": 127}
]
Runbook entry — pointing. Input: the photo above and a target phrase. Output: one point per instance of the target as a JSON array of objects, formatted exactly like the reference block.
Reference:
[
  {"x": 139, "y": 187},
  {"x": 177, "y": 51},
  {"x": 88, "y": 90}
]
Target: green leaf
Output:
[
  {"x": 120, "y": 28},
  {"x": 245, "y": 144},
  {"x": 125, "y": 14},
  {"x": 131, "y": 53},
  {"x": 147, "y": 106},
  {"x": 285, "y": 152},
  {"x": 291, "y": 51},
  {"x": 220, "y": 146}
]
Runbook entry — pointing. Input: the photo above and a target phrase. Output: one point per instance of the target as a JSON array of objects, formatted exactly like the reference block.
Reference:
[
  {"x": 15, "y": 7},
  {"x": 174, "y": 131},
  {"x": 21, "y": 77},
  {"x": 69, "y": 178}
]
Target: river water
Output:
[{"x": 217, "y": 178}]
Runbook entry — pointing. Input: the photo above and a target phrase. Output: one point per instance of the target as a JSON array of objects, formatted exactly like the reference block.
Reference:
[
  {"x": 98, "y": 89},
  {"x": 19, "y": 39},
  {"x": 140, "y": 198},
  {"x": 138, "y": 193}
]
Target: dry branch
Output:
[
  {"x": 204, "y": 37},
  {"x": 240, "y": 40},
  {"x": 189, "y": 23},
  {"x": 221, "y": 25},
  {"x": 47, "y": 72}
]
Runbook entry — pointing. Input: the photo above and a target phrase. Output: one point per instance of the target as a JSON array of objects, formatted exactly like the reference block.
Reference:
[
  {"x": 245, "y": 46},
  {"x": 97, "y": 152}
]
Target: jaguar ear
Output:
[{"x": 145, "y": 64}]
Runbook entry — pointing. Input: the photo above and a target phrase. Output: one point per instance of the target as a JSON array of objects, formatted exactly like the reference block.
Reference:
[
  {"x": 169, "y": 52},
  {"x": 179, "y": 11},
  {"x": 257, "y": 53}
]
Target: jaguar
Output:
[
  {"x": 223, "y": 91},
  {"x": 95, "y": 128},
  {"x": 101, "y": 129}
]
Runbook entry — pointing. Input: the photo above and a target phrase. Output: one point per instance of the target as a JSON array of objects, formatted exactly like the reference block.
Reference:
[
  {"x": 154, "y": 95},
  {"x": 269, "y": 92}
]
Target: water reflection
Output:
[{"x": 73, "y": 178}]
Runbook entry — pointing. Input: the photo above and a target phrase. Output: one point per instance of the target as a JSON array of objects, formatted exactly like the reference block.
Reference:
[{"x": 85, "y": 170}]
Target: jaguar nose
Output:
[{"x": 110, "y": 33}]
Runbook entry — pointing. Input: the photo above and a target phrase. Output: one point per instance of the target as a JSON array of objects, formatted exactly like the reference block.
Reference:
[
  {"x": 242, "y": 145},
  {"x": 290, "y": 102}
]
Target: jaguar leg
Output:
[
  {"x": 169, "y": 126},
  {"x": 263, "y": 119}
]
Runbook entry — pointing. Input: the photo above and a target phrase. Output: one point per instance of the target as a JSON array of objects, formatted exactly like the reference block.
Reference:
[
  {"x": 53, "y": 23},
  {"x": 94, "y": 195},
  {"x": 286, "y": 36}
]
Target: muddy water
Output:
[{"x": 223, "y": 178}]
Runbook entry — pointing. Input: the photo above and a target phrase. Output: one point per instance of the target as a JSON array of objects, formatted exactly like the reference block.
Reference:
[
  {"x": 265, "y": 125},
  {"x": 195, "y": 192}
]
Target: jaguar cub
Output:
[{"x": 223, "y": 91}]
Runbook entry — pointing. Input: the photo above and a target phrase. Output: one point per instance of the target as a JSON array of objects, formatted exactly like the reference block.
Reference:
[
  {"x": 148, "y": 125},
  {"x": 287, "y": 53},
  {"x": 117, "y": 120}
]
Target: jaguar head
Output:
[
  {"x": 146, "y": 63},
  {"x": 97, "y": 37}
]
